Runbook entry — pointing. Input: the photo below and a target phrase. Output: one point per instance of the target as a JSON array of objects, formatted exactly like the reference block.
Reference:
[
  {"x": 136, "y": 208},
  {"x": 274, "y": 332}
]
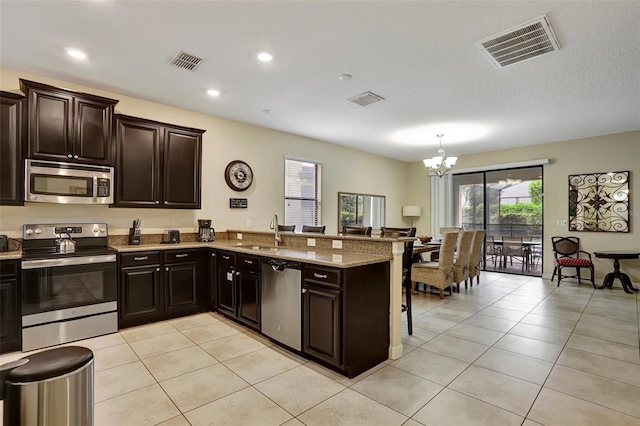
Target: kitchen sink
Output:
[{"x": 265, "y": 248}]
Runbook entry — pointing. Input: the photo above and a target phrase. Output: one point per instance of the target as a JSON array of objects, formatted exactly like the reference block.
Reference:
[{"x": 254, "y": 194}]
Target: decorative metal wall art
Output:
[{"x": 599, "y": 202}]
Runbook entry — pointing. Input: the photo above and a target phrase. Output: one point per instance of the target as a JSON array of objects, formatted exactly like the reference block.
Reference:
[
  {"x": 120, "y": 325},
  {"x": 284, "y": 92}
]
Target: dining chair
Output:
[
  {"x": 493, "y": 251},
  {"x": 461, "y": 261},
  {"x": 407, "y": 262},
  {"x": 440, "y": 274},
  {"x": 566, "y": 252},
  {"x": 356, "y": 230},
  {"x": 397, "y": 232},
  {"x": 476, "y": 256},
  {"x": 513, "y": 247},
  {"x": 313, "y": 229},
  {"x": 286, "y": 228}
]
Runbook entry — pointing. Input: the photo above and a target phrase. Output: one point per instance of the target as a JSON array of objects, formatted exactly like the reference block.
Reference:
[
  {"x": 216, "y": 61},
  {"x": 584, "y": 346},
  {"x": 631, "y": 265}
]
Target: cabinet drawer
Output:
[
  {"x": 319, "y": 275},
  {"x": 248, "y": 262},
  {"x": 8, "y": 268},
  {"x": 180, "y": 256},
  {"x": 227, "y": 258},
  {"x": 139, "y": 258}
]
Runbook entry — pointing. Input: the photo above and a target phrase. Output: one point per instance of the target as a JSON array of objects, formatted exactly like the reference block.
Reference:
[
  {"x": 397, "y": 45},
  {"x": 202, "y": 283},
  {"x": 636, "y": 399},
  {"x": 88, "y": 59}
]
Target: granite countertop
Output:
[
  {"x": 334, "y": 258},
  {"x": 12, "y": 254}
]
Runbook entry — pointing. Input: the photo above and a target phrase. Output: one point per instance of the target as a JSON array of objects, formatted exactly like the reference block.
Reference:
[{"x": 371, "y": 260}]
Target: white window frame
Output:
[{"x": 318, "y": 193}]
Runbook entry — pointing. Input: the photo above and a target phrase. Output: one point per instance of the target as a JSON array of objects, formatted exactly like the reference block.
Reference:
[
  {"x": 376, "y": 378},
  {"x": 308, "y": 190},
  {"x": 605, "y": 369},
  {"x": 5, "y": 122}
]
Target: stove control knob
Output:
[
  {"x": 96, "y": 230},
  {"x": 38, "y": 231},
  {"x": 103, "y": 229},
  {"x": 29, "y": 231}
]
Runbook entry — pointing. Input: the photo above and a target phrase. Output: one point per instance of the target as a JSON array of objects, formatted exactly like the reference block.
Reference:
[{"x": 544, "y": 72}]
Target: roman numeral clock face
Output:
[{"x": 238, "y": 175}]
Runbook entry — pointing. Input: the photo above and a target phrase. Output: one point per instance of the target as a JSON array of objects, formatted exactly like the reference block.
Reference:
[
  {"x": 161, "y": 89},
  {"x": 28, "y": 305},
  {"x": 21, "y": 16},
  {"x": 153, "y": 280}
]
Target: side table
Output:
[{"x": 611, "y": 276}]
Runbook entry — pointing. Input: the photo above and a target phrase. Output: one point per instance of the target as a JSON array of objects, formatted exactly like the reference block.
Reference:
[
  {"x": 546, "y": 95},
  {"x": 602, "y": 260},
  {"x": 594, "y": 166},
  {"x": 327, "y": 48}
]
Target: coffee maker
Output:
[{"x": 205, "y": 231}]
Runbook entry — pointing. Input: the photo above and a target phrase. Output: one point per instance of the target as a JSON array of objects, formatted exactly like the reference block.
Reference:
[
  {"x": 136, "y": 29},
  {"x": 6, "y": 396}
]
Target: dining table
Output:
[{"x": 527, "y": 248}]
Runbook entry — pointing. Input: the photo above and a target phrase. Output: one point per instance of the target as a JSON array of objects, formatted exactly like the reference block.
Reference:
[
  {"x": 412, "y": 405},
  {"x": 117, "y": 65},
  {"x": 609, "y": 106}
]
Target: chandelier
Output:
[{"x": 440, "y": 164}]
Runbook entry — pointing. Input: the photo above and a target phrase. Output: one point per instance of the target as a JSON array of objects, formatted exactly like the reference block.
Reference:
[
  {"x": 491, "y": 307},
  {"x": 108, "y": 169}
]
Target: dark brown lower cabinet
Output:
[
  {"x": 345, "y": 316},
  {"x": 239, "y": 287},
  {"x": 9, "y": 306},
  {"x": 139, "y": 292},
  {"x": 322, "y": 323},
  {"x": 156, "y": 286}
]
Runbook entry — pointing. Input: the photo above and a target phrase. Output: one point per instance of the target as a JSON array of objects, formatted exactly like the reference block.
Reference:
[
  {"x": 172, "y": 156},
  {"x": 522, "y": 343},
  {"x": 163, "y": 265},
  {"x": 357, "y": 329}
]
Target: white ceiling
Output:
[{"x": 419, "y": 56}]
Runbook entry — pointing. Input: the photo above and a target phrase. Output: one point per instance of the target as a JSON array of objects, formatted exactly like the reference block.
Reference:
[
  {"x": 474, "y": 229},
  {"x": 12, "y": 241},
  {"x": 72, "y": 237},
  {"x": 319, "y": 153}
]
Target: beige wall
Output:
[
  {"x": 618, "y": 152},
  {"x": 344, "y": 169}
]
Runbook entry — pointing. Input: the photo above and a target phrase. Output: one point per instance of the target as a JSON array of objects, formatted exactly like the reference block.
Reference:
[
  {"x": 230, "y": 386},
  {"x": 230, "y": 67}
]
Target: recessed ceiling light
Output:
[
  {"x": 345, "y": 77},
  {"x": 265, "y": 57},
  {"x": 213, "y": 92},
  {"x": 75, "y": 53},
  {"x": 267, "y": 111}
]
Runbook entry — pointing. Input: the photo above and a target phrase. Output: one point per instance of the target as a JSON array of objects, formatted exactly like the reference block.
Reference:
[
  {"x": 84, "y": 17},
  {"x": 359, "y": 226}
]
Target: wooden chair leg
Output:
[
  {"x": 441, "y": 294},
  {"x": 413, "y": 288}
]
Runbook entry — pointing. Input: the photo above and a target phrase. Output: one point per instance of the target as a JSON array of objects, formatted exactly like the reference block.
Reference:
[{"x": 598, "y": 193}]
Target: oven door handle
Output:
[{"x": 67, "y": 261}]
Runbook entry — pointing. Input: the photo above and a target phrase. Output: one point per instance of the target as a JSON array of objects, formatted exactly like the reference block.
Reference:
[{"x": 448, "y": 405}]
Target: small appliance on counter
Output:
[
  {"x": 172, "y": 236},
  {"x": 205, "y": 231},
  {"x": 134, "y": 233},
  {"x": 4, "y": 243}
]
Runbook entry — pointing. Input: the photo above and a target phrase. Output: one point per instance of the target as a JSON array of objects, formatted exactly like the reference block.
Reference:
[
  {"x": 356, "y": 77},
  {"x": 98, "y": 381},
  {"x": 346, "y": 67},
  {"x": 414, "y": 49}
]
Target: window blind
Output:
[{"x": 302, "y": 189}]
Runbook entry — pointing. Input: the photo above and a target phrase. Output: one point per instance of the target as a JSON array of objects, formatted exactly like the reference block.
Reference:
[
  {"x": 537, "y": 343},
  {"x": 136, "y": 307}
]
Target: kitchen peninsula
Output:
[{"x": 351, "y": 296}]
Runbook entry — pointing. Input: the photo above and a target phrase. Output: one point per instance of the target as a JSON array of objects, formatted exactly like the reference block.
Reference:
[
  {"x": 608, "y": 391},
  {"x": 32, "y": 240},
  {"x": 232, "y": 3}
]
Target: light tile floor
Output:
[{"x": 512, "y": 351}]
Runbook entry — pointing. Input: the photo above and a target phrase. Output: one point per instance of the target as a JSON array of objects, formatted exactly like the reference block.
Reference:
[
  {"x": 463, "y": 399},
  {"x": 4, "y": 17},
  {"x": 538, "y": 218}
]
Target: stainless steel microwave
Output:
[{"x": 67, "y": 183}]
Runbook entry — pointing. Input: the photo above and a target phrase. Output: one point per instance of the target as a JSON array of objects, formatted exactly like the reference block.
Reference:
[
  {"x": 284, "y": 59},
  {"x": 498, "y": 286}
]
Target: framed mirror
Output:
[
  {"x": 599, "y": 202},
  {"x": 360, "y": 210}
]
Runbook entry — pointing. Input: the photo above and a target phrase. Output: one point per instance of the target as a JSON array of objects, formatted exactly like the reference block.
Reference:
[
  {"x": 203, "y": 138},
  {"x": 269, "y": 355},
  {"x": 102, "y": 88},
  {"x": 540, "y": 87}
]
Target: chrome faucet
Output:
[{"x": 274, "y": 226}]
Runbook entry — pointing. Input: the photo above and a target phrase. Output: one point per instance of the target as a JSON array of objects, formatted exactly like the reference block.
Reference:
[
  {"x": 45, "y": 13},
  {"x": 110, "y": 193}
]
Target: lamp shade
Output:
[{"x": 411, "y": 211}]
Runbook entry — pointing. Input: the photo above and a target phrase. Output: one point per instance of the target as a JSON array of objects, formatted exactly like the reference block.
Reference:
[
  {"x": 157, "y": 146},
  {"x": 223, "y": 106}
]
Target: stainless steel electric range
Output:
[{"x": 69, "y": 284}]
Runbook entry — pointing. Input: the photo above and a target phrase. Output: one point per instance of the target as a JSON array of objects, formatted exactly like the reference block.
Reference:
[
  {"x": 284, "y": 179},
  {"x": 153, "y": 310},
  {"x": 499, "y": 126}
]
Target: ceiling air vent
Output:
[
  {"x": 366, "y": 98},
  {"x": 186, "y": 61},
  {"x": 526, "y": 41}
]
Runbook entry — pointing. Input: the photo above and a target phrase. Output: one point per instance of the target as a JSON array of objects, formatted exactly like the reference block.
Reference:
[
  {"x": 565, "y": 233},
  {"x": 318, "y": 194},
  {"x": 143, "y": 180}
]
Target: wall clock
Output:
[{"x": 238, "y": 175}]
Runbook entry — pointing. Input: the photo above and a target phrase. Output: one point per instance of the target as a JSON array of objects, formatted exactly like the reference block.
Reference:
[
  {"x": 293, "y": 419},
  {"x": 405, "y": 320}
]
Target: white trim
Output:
[
  {"x": 493, "y": 167},
  {"x": 304, "y": 160}
]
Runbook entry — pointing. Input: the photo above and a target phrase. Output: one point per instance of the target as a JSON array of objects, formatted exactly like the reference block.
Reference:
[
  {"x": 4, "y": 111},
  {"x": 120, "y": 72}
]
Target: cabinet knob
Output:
[
  {"x": 157, "y": 202},
  {"x": 165, "y": 202},
  {"x": 75, "y": 157},
  {"x": 157, "y": 269},
  {"x": 237, "y": 273},
  {"x": 167, "y": 269},
  {"x": 304, "y": 290},
  {"x": 69, "y": 156},
  {"x": 213, "y": 255}
]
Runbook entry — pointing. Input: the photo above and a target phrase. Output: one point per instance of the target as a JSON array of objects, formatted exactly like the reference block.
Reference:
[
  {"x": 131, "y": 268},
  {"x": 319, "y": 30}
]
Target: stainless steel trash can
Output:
[{"x": 54, "y": 387}]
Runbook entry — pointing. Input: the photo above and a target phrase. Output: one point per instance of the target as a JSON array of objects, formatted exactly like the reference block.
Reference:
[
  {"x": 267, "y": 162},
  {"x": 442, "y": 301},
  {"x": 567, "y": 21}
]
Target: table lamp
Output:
[{"x": 411, "y": 212}]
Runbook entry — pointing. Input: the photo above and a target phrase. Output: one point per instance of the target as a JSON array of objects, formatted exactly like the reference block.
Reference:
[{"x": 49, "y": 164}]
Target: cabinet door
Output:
[
  {"x": 249, "y": 298},
  {"x": 92, "y": 131},
  {"x": 182, "y": 152},
  {"x": 322, "y": 323},
  {"x": 11, "y": 169},
  {"x": 139, "y": 292},
  {"x": 138, "y": 163},
  {"x": 180, "y": 286},
  {"x": 226, "y": 289},
  {"x": 9, "y": 315},
  {"x": 50, "y": 125}
]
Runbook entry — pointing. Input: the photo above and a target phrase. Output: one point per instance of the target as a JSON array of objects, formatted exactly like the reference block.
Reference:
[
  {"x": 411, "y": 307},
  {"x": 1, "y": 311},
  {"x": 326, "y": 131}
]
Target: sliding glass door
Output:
[{"x": 508, "y": 205}]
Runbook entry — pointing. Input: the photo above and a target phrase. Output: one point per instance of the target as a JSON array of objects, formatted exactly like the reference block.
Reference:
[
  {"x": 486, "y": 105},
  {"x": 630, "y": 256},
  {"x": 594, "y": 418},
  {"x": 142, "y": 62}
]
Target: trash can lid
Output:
[{"x": 50, "y": 364}]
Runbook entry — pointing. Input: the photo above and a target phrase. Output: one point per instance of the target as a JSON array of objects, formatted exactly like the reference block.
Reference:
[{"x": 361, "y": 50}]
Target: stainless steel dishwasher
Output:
[{"x": 282, "y": 301}]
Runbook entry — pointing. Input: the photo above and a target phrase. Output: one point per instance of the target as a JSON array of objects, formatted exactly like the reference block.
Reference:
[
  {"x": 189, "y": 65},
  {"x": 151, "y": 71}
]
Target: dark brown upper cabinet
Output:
[
  {"x": 64, "y": 125},
  {"x": 11, "y": 151},
  {"x": 157, "y": 164}
]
